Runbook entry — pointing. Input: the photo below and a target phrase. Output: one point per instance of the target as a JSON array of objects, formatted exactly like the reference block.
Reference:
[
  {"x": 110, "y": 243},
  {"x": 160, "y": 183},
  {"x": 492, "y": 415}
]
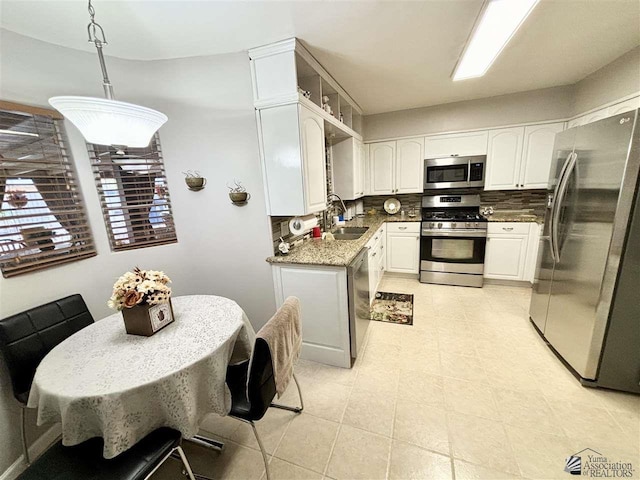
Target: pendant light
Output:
[{"x": 105, "y": 121}]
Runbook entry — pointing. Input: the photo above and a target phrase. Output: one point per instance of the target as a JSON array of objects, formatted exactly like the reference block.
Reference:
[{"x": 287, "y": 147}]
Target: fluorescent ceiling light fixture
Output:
[
  {"x": 15, "y": 132},
  {"x": 499, "y": 21}
]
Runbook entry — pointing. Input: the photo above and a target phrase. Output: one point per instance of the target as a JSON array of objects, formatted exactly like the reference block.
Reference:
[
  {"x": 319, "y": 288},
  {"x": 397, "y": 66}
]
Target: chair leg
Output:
[
  {"x": 292, "y": 409},
  {"x": 185, "y": 462},
  {"x": 264, "y": 453},
  {"x": 206, "y": 442},
  {"x": 23, "y": 432}
]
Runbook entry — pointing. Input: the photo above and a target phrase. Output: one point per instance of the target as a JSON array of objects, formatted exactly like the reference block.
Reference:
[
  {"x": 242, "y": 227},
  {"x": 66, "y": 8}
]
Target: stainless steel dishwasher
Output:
[{"x": 359, "y": 311}]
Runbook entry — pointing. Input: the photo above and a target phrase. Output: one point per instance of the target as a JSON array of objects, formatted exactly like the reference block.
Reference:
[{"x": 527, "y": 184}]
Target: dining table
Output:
[{"x": 103, "y": 382}]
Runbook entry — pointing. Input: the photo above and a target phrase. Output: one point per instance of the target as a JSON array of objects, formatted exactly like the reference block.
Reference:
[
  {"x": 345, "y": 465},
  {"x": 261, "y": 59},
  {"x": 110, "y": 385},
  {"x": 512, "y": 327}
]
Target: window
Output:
[
  {"x": 42, "y": 219},
  {"x": 134, "y": 195}
]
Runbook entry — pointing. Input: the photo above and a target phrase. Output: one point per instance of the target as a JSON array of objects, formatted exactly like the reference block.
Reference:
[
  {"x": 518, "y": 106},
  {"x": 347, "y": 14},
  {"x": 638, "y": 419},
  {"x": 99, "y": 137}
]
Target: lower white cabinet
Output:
[
  {"x": 403, "y": 247},
  {"x": 324, "y": 307},
  {"x": 511, "y": 251},
  {"x": 377, "y": 261}
]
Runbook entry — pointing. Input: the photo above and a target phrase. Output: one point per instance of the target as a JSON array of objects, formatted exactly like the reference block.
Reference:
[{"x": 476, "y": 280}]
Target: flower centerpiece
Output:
[{"x": 144, "y": 298}]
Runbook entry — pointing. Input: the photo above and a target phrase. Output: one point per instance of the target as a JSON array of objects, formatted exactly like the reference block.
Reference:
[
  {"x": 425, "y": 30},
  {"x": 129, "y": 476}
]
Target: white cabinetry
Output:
[
  {"x": 381, "y": 161},
  {"x": 293, "y": 160},
  {"x": 403, "y": 247},
  {"x": 324, "y": 307},
  {"x": 504, "y": 155},
  {"x": 456, "y": 144},
  {"x": 396, "y": 167},
  {"x": 409, "y": 166},
  {"x": 510, "y": 254},
  {"x": 537, "y": 154},
  {"x": 520, "y": 157},
  {"x": 348, "y": 169},
  {"x": 620, "y": 107},
  {"x": 377, "y": 262}
]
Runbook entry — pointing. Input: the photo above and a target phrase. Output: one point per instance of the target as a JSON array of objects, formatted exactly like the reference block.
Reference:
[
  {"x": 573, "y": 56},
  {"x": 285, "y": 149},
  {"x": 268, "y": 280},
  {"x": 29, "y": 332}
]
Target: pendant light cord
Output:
[{"x": 97, "y": 37}]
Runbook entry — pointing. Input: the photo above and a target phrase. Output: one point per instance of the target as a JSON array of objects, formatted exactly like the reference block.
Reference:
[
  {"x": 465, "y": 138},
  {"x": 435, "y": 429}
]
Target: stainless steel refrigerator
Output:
[{"x": 586, "y": 293}]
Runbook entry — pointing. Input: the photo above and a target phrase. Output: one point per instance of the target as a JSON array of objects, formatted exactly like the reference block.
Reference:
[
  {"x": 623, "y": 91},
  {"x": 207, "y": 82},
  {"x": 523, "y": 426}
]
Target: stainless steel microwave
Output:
[{"x": 454, "y": 172}]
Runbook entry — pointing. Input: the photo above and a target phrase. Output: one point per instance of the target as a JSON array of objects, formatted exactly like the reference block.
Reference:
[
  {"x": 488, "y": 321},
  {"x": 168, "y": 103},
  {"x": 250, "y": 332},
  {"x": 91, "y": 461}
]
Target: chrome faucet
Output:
[{"x": 327, "y": 219}]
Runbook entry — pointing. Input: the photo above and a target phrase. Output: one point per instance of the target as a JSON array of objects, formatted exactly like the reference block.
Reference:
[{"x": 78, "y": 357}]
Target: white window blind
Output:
[
  {"x": 43, "y": 222},
  {"x": 134, "y": 195}
]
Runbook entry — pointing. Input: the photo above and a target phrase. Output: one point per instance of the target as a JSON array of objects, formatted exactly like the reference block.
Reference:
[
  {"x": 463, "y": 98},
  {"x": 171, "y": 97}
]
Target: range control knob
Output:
[
  {"x": 431, "y": 225},
  {"x": 477, "y": 224},
  {"x": 439, "y": 225},
  {"x": 454, "y": 225},
  {"x": 467, "y": 224}
]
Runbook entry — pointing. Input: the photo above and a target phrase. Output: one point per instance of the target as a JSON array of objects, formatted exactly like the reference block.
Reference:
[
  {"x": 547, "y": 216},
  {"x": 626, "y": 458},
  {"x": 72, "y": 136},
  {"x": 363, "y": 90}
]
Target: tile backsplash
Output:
[{"x": 533, "y": 200}]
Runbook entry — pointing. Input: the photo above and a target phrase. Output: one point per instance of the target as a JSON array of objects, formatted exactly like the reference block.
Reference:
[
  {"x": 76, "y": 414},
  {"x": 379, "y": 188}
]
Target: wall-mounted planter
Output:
[{"x": 239, "y": 198}]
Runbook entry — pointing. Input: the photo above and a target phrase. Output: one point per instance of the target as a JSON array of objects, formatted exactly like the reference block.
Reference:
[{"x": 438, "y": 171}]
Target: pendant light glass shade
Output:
[{"x": 110, "y": 122}]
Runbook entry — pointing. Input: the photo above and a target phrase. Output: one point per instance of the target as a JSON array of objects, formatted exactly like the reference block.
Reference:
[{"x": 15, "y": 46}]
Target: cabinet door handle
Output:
[
  {"x": 402, "y": 228},
  {"x": 507, "y": 229},
  {"x": 375, "y": 239},
  {"x": 374, "y": 254}
]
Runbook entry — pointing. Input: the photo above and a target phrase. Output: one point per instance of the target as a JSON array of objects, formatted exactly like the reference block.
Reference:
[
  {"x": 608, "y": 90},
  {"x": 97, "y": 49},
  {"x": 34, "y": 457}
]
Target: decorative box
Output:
[{"x": 146, "y": 320}]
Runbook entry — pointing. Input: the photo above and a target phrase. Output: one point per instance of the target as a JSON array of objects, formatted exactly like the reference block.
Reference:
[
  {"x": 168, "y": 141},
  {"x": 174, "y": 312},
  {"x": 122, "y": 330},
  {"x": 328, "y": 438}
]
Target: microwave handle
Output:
[{"x": 469, "y": 171}]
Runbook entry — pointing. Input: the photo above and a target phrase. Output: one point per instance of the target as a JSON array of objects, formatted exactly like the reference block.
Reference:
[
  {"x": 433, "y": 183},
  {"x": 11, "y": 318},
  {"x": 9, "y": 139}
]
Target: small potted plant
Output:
[
  {"x": 238, "y": 194},
  {"x": 144, "y": 298}
]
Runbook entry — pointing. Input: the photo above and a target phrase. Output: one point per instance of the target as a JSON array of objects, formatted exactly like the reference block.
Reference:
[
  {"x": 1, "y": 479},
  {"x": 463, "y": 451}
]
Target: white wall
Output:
[
  {"x": 221, "y": 248},
  {"x": 532, "y": 106},
  {"x": 613, "y": 81}
]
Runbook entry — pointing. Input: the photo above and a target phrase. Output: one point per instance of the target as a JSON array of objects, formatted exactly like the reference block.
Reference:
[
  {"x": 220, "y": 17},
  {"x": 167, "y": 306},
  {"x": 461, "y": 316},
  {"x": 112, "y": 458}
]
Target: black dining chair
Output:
[
  {"x": 85, "y": 461},
  {"x": 25, "y": 339},
  {"x": 251, "y": 399}
]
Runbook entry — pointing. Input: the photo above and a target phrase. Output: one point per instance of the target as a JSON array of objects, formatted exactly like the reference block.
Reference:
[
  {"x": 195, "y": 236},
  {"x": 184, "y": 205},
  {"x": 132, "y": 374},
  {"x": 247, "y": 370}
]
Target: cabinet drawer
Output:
[
  {"x": 403, "y": 227},
  {"x": 508, "y": 228}
]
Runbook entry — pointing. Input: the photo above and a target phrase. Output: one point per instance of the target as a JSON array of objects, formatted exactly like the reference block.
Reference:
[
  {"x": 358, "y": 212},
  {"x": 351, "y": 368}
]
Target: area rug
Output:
[{"x": 393, "y": 308}]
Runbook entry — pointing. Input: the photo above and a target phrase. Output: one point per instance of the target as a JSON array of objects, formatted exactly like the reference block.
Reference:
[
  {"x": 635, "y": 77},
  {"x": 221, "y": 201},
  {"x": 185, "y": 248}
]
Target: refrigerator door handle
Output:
[
  {"x": 561, "y": 190},
  {"x": 552, "y": 198}
]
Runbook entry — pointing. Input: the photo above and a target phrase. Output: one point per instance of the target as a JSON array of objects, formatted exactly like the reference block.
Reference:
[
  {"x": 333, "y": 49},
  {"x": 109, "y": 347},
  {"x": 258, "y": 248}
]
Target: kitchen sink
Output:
[{"x": 349, "y": 233}]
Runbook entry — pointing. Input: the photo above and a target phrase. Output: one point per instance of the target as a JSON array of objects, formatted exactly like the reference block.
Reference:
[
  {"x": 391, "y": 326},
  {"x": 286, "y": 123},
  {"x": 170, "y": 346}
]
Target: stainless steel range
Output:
[{"x": 453, "y": 240}]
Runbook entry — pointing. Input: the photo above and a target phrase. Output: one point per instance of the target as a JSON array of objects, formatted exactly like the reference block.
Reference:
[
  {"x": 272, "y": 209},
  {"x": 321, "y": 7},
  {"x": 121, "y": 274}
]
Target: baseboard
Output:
[
  {"x": 505, "y": 283},
  {"x": 45, "y": 440}
]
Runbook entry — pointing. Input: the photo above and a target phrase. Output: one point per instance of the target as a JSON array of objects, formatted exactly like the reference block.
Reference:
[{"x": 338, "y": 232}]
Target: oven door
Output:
[{"x": 453, "y": 251}]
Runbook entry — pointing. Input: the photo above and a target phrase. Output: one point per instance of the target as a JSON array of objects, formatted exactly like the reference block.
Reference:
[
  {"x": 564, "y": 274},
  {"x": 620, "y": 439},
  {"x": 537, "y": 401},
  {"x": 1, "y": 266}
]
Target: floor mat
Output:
[{"x": 393, "y": 308}]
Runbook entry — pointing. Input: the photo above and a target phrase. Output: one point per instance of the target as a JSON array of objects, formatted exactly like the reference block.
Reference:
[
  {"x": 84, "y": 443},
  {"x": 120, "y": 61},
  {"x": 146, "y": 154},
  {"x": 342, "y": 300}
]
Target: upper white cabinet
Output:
[
  {"x": 396, "y": 167},
  {"x": 537, "y": 154},
  {"x": 620, "y": 107},
  {"x": 381, "y": 162},
  {"x": 520, "y": 157},
  {"x": 348, "y": 169},
  {"x": 288, "y": 87},
  {"x": 293, "y": 160},
  {"x": 504, "y": 154},
  {"x": 456, "y": 144},
  {"x": 313, "y": 160},
  {"x": 409, "y": 165}
]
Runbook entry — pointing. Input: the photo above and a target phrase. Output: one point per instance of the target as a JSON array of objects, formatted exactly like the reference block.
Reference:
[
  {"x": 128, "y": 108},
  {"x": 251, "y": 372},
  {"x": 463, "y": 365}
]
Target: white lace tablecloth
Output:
[{"x": 101, "y": 382}]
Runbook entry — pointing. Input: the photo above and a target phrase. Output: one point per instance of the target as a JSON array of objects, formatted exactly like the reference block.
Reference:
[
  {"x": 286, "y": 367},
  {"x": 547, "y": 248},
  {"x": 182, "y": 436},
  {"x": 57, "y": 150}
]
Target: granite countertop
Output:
[
  {"x": 515, "y": 216},
  {"x": 338, "y": 253}
]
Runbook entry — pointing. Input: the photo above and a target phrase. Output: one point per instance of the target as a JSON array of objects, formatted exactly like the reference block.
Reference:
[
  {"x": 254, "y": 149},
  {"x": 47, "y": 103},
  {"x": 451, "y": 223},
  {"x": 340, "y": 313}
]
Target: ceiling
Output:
[{"x": 389, "y": 55}]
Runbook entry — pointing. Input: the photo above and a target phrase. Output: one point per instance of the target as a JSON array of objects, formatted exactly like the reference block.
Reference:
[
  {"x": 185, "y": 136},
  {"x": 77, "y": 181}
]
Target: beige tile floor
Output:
[{"x": 469, "y": 391}]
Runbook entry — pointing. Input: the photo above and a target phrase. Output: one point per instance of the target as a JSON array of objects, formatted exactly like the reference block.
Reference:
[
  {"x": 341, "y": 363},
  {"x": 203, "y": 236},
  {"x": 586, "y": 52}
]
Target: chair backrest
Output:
[
  {"x": 25, "y": 338},
  {"x": 261, "y": 388}
]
